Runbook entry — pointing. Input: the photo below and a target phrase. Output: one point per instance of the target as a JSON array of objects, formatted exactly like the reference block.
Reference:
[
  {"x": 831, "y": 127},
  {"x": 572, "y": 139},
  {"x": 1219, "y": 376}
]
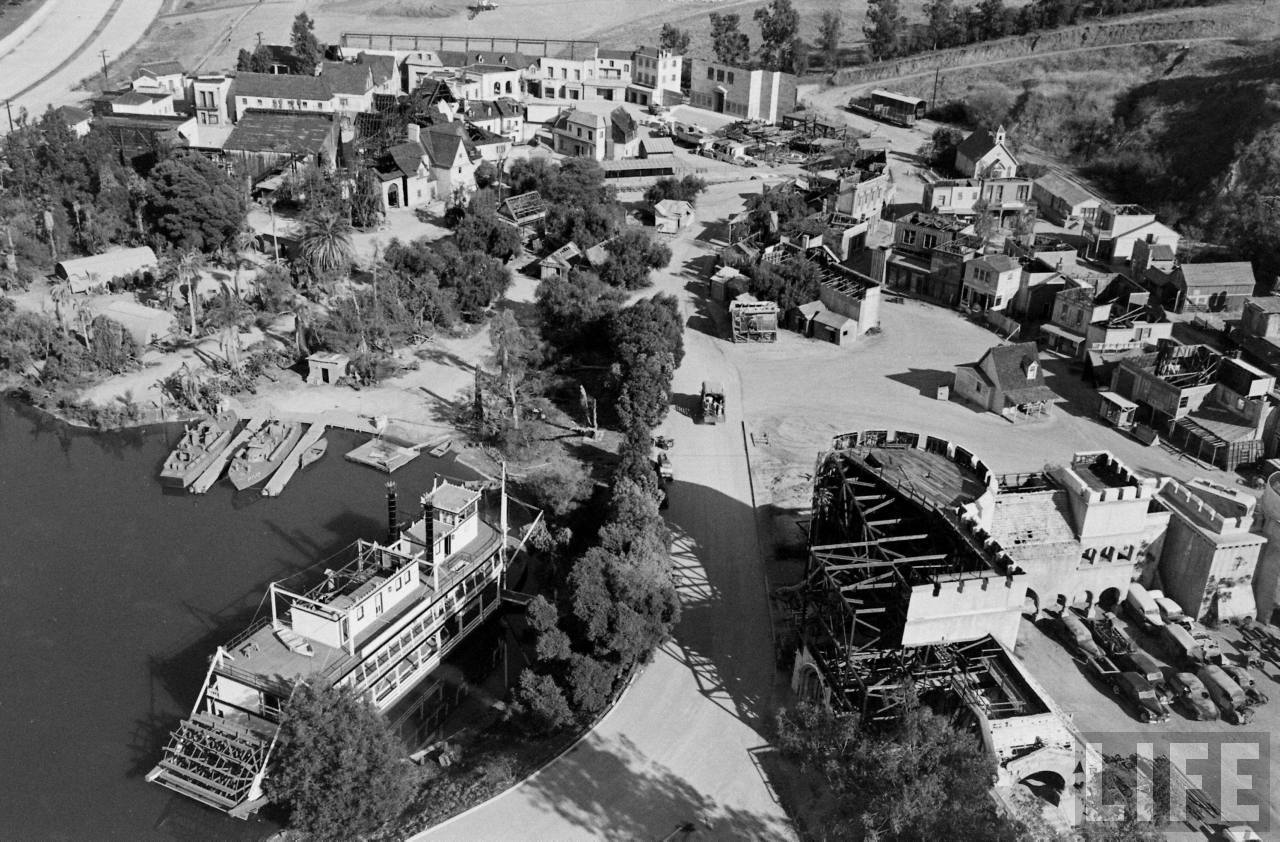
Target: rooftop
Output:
[
  {"x": 1070, "y": 191},
  {"x": 269, "y": 131},
  {"x": 939, "y": 480},
  {"x": 282, "y": 86}
]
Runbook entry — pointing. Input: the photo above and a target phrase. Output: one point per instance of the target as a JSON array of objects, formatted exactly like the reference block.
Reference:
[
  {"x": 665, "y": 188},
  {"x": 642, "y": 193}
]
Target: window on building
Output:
[
  {"x": 1183, "y": 401},
  {"x": 360, "y": 611},
  {"x": 730, "y": 77},
  {"x": 930, "y": 241},
  {"x": 908, "y": 237},
  {"x": 711, "y": 74},
  {"x": 719, "y": 75}
]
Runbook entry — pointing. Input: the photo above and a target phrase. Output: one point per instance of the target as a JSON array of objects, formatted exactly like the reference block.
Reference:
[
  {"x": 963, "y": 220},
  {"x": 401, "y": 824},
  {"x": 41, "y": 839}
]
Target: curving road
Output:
[
  {"x": 43, "y": 68},
  {"x": 684, "y": 743}
]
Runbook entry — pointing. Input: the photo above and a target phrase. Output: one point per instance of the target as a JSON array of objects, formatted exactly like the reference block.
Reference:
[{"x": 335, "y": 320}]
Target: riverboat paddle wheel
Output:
[{"x": 214, "y": 761}]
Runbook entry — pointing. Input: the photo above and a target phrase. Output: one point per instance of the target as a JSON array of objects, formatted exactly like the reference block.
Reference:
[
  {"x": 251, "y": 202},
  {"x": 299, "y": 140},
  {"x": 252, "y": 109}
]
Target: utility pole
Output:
[
  {"x": 9, "y": 111},
  {"x": 259, "y": 39},
  {"x": 105, "y": 82},
  {"x": 933, "y": 101}
]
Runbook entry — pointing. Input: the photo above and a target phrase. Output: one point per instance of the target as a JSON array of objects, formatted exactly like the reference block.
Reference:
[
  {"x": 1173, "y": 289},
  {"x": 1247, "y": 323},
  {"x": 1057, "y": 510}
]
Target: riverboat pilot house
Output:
[{"x": 379, "y": 623}]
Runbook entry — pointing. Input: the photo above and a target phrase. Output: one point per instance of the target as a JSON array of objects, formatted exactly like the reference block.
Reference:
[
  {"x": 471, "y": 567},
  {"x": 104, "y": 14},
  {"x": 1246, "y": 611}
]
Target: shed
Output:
[
  {"x": 657, "y": 147},
  {"x": 86, "y": 273},
  {"x": 145, "y": 324},
  {"x": 672, "y": 215},
  {"x": 726, "y": 284},
  {"x": 327, "y": 367}
]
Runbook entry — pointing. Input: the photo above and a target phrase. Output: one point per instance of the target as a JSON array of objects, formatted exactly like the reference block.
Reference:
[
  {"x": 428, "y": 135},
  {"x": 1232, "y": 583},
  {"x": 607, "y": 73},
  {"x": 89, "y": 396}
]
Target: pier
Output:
[
  {"x": 206, "y": 480},
  {"x": 293, "y": 461}
]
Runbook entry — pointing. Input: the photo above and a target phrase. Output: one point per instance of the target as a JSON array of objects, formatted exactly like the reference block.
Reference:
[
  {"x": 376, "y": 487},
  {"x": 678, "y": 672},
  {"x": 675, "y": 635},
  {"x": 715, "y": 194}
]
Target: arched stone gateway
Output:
[
  {"x": 809, "y": 685},
  {"x": 1110, "y": 599}
]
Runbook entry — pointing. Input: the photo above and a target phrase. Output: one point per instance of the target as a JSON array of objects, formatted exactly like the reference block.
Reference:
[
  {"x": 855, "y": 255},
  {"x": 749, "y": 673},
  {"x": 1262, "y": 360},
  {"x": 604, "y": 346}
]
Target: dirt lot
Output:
[{"x": 1097, "y": 712}]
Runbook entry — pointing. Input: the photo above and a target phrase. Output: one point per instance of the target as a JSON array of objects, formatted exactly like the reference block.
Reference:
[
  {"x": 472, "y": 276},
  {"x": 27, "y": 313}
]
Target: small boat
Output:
[
  {"x": 313, "y": 453},
  {"x": 201, "y": 443},
  {"x": 440, "y": 449},
  {"x": 259, "y": 457}
]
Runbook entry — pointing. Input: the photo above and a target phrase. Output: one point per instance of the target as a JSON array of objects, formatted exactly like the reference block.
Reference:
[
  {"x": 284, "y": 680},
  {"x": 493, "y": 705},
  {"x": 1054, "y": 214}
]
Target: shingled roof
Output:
[
  {"x": 977, "y": 144},
  {"x": 270, "y": 131},
  {"x": 281, "y": 86},
  {"x": 1009, "y": 365},
  {"x": 442, "y": 142},
  {"x": 344, "y": 78},
  {"x": 407, "y": 156}
]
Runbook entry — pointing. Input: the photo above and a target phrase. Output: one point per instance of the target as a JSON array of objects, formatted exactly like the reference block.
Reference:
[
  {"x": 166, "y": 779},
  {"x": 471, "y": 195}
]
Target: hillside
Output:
[{"x": 1188, "y": 129}]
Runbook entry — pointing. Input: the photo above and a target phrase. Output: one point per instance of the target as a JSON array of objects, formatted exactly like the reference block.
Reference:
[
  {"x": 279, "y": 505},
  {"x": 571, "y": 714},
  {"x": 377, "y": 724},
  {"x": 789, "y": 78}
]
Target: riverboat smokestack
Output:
[{"x": 393, "y": 526}]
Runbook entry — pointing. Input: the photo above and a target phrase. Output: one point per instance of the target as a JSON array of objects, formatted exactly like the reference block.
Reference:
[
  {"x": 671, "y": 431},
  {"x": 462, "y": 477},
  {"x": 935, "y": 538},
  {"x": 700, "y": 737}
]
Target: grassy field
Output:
[{"x": 14, "y": 12}]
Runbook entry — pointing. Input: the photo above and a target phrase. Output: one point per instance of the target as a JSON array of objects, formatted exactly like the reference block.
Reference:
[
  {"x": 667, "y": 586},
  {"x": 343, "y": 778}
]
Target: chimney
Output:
[
  {"x": 429, "y": 528},
  {"x": 414, "y": 131},
  {"x": 393, "y": 526}
]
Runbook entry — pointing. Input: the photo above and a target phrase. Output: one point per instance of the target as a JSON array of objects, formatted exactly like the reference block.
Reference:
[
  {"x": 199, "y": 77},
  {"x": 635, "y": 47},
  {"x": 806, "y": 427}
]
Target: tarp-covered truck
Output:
[{"x": 712, "y": 402}]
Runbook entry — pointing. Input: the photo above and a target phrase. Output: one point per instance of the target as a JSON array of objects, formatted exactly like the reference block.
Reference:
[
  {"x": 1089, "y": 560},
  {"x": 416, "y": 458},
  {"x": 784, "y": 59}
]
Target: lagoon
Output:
[{"x": 117, "y": 590}]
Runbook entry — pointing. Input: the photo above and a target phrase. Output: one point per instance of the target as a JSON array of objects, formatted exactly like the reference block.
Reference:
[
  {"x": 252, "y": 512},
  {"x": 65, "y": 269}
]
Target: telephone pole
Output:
[
  {"x": 9, "y": 111},
  {"x": 933, "y": 101},
  {"x": 105, "y": 81}
]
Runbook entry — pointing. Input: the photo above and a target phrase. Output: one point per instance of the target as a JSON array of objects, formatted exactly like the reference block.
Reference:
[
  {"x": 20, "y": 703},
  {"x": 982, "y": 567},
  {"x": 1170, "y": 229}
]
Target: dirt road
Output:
[{"x": 679, "y": 747}]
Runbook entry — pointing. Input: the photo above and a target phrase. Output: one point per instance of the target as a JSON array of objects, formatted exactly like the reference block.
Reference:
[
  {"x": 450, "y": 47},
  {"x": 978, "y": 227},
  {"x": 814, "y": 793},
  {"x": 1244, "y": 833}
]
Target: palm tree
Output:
[
  {"x": 60, "y": 292},
  {"x": 242, "y": 242},
  {"x": 188, "y": 271},
  {"x": 326, "y": 242},
  {"x": 228, "y": 315}
]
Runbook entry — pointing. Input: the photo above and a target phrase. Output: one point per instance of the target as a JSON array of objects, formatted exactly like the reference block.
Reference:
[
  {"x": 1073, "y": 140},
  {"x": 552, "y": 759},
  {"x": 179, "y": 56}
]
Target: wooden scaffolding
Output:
[{"x": 753, "y": 321}]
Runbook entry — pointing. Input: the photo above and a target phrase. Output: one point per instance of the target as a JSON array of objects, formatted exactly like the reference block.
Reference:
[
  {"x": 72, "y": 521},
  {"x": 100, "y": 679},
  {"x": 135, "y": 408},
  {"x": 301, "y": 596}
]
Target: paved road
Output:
[
  {"x": 679, "y": 745},
  {"x": 44, "y": 67}
]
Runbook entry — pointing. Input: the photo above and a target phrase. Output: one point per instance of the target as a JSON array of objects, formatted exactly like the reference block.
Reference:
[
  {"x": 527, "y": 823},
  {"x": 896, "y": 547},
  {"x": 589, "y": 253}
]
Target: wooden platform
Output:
[
  {"x": 206, "y": 480},
  {"x": 383, "y": 455},
  {"x": 292, "y": 462},
  {"x": 935, "y": 477}
]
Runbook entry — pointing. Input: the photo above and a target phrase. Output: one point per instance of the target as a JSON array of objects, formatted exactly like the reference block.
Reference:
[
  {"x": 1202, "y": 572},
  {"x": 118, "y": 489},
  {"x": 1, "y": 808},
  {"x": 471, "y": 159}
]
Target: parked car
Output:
[
  {"x": 1147, "y": 667},
  {"x": 1142, "y": 608},
  {"x": 1146, "y": 702},
  {"x": 1193, "y": 696},
  {"x": 1070, "y": 629},
  {"x": 1226, "y": 694},
  {"x": 1208, "y": 644},
  {"x": 1244, "y": 678}
]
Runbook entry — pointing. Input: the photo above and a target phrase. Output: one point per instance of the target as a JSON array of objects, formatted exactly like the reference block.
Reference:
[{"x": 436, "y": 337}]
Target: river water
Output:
[{"x": 117, "y": 592}]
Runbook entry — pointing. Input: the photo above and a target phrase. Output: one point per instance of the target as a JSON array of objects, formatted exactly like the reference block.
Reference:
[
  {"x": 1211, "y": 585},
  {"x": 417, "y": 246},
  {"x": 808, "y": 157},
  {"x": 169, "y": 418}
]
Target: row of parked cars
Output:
[{"x": 1199, "y": 681}]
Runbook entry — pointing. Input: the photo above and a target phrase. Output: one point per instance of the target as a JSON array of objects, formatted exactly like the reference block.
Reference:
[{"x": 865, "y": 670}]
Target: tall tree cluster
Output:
[
  {"x": 922, "y": 777},
  {"x": 620, "y": 599}
]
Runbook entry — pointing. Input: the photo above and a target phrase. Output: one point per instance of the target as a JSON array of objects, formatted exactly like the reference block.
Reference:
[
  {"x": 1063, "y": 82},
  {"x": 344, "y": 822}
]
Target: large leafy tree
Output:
[
  {"x": 340, "y": 771},
  {"x": 633, "y": 254},
  {"x": 779, "y": 25},
  {"x": 686, "y": 189},
  {"x": 674, "y": 39},
  {"x": 730, "y": 44},
  {"x": 829, "y": 31},
  {"x": 885, "y": 28},
  {"x": 942, "y": 24},
  {"x": 366, "y": 200},
  {"x": 920, "y": 778},
  {"x": 307, "y": 49},
  {"x": 194, "y": 204},
  {"x": 574, "y": 311}
]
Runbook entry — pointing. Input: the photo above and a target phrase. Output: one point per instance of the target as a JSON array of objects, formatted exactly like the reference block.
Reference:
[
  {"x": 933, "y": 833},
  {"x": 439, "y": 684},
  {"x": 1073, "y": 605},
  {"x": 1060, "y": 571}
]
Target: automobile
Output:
[
  {"x": 1194, "y": 697},
  {"x": 663, "y": 464},
  {"x": 1146, "y": 702},
  {"x": 1242, "y": 676},
  {"x": 658, "y": 108},
  {"x": 1208, "y": 645},
  {"x": 1147, "y": 667},
  {"x": 1068, "y": 628}
]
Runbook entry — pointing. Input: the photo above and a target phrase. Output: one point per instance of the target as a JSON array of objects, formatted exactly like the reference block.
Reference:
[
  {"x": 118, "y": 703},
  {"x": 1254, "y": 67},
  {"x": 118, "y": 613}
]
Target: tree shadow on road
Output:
[{"x": 611, "y": 792}]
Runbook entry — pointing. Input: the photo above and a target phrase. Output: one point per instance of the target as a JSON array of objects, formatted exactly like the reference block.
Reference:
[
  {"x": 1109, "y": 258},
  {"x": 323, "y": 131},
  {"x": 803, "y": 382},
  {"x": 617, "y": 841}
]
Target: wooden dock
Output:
[
  {"x": 383, "y": 454},
  {"x": 206, "y": 480},
  {"x": 292, "y": 462}
]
